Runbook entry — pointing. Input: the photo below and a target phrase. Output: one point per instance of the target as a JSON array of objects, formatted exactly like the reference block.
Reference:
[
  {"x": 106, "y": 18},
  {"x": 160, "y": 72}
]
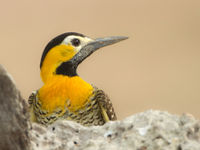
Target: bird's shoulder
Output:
[
  {"x": 105, "y": 104},
  {"x": 32, "y": 97}
]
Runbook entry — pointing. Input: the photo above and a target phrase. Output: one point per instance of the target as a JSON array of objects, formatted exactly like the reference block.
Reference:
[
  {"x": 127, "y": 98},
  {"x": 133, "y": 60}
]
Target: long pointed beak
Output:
[
  {"x": 101, "y": 42},
  {"x": 91, "y": 47}
]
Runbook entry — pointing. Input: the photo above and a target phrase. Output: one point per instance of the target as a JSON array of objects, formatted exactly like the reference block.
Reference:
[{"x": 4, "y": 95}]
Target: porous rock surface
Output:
[{"x": 150, "y": 130}]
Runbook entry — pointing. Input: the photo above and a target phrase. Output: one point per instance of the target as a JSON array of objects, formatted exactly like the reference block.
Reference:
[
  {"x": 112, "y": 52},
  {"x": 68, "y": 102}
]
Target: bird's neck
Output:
[
  {"x": 65, "y": 91},
  {"x": 64, "y": 70}
]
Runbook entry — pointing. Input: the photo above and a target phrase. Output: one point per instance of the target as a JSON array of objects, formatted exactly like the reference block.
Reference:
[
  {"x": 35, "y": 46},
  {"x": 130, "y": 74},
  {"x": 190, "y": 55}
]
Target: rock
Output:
[
  {"x": 150, "y": 130},
  {"x": 13, "y": 115}
]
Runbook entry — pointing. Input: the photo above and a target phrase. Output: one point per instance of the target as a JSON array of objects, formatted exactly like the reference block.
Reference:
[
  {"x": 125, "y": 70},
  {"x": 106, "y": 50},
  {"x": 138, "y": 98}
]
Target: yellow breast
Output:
[{"x": 64, "y": 92}]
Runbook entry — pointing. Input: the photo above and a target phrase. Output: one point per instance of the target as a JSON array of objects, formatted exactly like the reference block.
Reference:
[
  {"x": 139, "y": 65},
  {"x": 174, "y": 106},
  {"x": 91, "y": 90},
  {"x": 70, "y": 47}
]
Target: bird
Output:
[{"x": 64, "y": 94}]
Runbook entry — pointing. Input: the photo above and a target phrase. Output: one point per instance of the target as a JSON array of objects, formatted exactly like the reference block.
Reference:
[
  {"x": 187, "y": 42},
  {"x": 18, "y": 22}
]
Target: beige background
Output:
[{"x": 157, "y": 68}]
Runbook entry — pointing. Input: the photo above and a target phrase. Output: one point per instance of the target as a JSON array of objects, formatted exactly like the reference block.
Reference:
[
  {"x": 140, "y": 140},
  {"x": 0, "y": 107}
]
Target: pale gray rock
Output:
[{"x": 150, "y": 130}]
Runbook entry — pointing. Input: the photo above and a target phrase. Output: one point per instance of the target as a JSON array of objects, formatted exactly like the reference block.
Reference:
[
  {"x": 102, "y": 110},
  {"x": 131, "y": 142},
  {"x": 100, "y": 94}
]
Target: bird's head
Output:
[{"x": 64, "y": 53}]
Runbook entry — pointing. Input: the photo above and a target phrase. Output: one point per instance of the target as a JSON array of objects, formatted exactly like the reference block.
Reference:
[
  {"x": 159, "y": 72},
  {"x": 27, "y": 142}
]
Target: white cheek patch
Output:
[{"x": 83, "y": 40}]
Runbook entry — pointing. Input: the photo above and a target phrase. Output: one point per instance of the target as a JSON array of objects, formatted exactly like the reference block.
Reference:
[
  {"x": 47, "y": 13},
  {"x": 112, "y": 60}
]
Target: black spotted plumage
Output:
[{"x": 89, "y": 114}]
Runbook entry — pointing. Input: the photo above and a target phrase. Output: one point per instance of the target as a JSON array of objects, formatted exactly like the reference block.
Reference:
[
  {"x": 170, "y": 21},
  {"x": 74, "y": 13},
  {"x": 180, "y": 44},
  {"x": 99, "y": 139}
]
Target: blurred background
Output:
[{"x": 158, "y": 67}]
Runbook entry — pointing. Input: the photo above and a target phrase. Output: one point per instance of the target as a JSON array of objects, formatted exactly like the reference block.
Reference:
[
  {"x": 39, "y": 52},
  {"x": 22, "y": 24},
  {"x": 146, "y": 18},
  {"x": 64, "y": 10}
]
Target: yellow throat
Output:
[{"x": 61, "y": 91}]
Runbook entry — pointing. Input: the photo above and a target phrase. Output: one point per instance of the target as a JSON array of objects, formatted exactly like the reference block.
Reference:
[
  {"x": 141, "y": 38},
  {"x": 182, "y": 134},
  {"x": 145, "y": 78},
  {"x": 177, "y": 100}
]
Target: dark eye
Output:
[{"x": 76, "y": 42}]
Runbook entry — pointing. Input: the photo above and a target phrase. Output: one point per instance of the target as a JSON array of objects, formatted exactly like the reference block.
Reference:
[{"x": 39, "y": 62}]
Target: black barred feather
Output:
[{"x": 90, "y": 114}]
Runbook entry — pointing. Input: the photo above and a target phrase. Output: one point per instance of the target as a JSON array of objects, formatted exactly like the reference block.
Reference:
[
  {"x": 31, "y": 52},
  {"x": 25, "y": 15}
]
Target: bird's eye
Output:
[{"x": 76, "y": 42}]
